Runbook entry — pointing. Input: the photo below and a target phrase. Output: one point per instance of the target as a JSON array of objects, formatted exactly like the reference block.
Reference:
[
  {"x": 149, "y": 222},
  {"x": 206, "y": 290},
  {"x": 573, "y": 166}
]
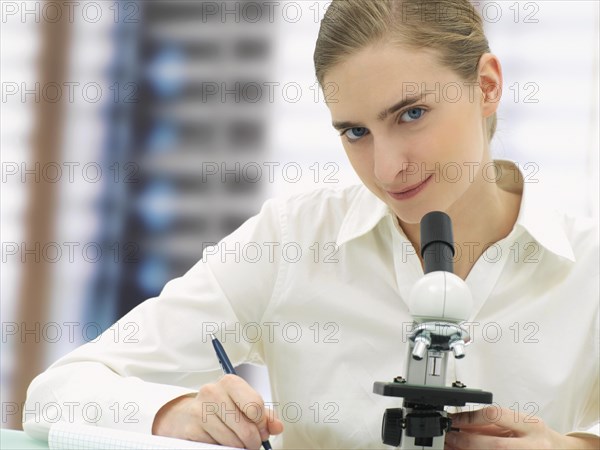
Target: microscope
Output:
[{"x": 438, "y": 303}]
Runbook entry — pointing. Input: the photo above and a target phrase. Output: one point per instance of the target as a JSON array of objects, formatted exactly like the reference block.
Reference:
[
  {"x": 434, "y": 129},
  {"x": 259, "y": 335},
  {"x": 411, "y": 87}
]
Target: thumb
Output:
[{"x": 274, "y": 425}]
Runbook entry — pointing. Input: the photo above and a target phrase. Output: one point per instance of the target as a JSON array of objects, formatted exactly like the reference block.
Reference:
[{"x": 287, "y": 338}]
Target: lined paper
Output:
[{"x": 67, "y": 436}]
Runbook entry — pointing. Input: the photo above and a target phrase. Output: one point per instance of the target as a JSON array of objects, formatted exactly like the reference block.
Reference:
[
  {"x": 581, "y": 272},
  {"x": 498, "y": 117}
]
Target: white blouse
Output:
[{"x": 315, "y": 287}]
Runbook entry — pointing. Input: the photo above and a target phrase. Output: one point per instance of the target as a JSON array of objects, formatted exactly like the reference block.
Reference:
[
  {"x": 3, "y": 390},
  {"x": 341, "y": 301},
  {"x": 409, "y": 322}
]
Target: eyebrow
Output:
[{"x": 409, "y": 100}]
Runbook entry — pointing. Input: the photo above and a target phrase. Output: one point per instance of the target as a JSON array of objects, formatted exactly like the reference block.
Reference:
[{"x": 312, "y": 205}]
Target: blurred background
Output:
[{"x": 135, "y": 133}]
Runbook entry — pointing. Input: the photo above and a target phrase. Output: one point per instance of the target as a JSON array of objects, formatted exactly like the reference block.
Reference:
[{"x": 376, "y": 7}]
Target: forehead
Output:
[{"x": 380, "y": 75}]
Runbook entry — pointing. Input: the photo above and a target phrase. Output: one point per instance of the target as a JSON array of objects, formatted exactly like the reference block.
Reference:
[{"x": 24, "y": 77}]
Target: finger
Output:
[
  {"x": 245, "y": 429},
  {"x": 468, "y": 441},
  {"x": 483, "y": 416},
  {"x": 490, "y": 430},
  {"x": 492, "y": 415},
  {"x": 205, "y": 424},
  {"x": 220, "y": 433},
  {"x": 275, "y": 426},
  {"x": 249, "y": 402},
  {"x": 224, "y": 420}
]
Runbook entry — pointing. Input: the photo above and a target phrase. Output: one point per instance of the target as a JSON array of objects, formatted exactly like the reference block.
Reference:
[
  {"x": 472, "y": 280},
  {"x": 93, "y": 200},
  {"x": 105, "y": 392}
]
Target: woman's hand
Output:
[
  {"x": 228, "y": 412},
  {"x": 496, "y": 428}
]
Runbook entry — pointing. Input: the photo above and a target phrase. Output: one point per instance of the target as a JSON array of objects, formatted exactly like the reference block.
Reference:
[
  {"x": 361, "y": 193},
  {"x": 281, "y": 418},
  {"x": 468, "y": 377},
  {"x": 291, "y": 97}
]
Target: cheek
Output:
[
  {"x": 460, "y": 138},
  {"x": 360, "y": 161}
]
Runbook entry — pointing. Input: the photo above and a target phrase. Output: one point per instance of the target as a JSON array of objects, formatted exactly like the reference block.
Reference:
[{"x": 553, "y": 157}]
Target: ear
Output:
[{"x": 490, "y": 83}]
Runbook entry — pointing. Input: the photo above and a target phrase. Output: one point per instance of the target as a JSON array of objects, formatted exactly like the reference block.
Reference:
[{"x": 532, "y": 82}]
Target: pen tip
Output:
[{"x": 213, "y": 336}]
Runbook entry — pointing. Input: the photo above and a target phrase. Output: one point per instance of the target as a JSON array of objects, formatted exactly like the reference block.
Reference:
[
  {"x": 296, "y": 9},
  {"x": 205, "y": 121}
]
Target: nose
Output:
[{"x": 389, "y": 160}]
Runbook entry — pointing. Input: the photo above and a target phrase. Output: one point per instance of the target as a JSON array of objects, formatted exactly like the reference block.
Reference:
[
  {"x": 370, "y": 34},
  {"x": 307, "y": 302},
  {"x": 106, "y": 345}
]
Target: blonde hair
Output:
[{"x": 453, "y": 28}]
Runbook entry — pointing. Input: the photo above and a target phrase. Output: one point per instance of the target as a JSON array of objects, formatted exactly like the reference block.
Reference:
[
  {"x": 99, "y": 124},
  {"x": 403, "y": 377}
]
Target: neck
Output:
[{"x": 484, "y": 215}]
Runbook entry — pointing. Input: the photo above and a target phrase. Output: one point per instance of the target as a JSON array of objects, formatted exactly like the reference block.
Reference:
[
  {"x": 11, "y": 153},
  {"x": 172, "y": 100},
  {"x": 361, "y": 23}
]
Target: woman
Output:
[{"x": 413, "y": 90}]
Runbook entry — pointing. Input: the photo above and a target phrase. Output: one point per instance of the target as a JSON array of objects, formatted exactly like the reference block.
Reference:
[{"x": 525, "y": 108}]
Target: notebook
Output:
[{"x": 68, "y": 436}]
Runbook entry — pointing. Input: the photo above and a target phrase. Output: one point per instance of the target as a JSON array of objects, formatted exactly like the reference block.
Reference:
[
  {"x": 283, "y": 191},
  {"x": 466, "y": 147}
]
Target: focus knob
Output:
[{"x": 391, "y": 429}]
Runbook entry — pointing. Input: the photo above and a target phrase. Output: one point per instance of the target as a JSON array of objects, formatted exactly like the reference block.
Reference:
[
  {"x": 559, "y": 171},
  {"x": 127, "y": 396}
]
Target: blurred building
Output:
[{"x": 184, "y": 142}]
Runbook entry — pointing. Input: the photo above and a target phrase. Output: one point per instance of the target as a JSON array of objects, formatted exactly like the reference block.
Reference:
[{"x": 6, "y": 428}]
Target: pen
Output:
[{"x": 228, "y": 369}]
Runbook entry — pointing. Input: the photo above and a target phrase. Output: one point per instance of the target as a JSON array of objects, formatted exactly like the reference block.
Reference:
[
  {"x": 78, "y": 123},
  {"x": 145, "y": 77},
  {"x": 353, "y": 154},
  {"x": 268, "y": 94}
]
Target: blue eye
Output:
[
  {"x": 357, "y": 131},
  {"x": 412, "y": 114}
]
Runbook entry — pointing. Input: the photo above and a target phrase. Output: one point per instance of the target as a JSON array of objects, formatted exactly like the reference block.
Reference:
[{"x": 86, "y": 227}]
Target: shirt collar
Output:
[
  {"x": 365, "y": 212},
  {"x": 544, "y": 225}
]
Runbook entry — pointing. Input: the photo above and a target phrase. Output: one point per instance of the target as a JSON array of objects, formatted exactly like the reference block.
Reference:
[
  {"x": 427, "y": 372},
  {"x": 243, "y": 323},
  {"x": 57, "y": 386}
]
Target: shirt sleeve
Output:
[
  {"x": 162, "y": 349},
  {"x": 590, "y": 416}
]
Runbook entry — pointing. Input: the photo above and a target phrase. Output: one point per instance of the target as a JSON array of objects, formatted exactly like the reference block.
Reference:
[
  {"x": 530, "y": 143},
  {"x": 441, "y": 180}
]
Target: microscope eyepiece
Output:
[{"x": 437, "y": 242}]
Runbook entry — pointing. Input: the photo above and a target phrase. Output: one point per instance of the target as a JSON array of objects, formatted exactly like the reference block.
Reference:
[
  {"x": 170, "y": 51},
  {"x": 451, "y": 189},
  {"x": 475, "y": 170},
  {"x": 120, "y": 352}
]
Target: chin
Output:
[
  {"x": 411, "y": 211},
  {"x": 412, "y": 216}
]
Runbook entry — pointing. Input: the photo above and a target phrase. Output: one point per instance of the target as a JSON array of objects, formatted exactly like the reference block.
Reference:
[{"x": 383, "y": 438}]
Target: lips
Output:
[
  {"x": 409, "y": 191},
  {"x": 414, "y": 186}
]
